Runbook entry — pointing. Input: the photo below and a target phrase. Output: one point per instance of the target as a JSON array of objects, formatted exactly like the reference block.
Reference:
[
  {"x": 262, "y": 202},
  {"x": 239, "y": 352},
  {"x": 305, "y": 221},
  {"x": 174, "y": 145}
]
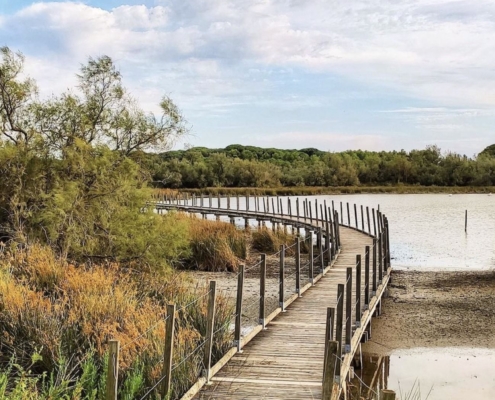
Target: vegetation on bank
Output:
[
  {"x": 328, "y": 190},
  {"x": 254, "y": 167}
]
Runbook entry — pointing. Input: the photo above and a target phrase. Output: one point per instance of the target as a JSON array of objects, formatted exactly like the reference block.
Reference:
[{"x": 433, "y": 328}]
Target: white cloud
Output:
[{"x": 219, "y": 52}]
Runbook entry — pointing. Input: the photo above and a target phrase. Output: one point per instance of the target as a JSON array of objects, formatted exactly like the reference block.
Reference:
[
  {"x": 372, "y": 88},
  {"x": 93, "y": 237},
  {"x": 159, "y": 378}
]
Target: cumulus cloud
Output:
[{"x": 215, "y": 51}]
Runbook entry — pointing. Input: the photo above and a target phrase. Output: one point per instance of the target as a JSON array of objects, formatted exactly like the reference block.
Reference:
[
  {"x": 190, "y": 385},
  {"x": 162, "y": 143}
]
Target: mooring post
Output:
[
  {"x": 238, "y": 309},
  {"x": 209, "y": 329},
  {"x": 281, "y": 278},
  {"x": 262, "y": 291}
]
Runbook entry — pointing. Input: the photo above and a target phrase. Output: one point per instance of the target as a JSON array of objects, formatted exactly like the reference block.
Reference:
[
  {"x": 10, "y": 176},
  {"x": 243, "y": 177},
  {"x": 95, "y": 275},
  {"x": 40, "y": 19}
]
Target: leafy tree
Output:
[{"x": 69, "y": 175}]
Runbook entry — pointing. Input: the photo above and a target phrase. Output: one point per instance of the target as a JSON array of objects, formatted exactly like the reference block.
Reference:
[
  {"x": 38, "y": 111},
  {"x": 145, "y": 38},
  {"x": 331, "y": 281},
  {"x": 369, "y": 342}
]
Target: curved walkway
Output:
[{"x": 286, "y": 360}]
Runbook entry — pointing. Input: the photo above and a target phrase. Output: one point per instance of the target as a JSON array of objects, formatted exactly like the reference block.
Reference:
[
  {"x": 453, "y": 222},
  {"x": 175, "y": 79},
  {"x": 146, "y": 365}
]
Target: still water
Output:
[{"x": 427, "y": 230}]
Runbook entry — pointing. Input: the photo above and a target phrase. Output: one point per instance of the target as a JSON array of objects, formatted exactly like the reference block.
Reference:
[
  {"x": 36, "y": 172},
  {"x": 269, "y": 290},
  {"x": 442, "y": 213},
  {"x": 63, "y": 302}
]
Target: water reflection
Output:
[{"x": 435, "y": 374}]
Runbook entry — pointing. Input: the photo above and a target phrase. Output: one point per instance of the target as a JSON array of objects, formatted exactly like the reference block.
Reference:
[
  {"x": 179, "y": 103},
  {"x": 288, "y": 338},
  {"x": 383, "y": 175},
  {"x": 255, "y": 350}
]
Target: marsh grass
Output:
[
  {"x": 215, "y": 246},
  {"x": 266, "y": 240},
  {"x": 56, "y": 319}
]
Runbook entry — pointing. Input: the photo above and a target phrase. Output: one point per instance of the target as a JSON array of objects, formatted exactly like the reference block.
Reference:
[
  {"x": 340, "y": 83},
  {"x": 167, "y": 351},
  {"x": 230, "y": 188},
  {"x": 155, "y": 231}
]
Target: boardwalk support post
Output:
[
  {"x": 367, "y": 277},
  {"x": 209, "y": 329},
  {"x": 113, "y": 370},
  {"x": 169, "y": 352}
]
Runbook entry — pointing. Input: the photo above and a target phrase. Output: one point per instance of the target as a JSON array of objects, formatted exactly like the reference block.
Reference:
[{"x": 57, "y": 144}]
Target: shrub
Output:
[{"x": 216, "y": 246}]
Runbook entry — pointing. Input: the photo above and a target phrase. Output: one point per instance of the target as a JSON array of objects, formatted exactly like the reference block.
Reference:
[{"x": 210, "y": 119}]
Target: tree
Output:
[
  {"x": 67, "y": 176},
  {"x": 488, "y": 151}
]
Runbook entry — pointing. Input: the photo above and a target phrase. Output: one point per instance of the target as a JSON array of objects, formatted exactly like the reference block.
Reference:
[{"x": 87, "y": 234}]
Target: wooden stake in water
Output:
[{"x": 465, "y": 222}]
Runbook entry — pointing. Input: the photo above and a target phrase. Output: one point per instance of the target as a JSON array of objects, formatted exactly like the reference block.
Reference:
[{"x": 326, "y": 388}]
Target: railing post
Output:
[
  {"x": 330, "y": 322},
  {"x": 367, "y": 277},
  {"x": 388, "y": 244},
  {"x": 238, "y": 309},
  {"x": 289, "y": 208},
  {"x": 169, "y": 351},
  {"x": 340, "y": 326},
  {"x": 355, "y": 216},
  {"x": 297, "y": 207},
  {"x": 311, "y": 256},
  {"x": 386, "y": 394},
  {"x": 362, "y": 218},
  {"x": 348, "y": 215},
  {"x": 113, "y": 370},
  {"x": 374, "y": 221},
  {"x": 328, "y": 256},
  {"x": 380, "y": 258},
  {"x": 316, "y": 209},
  {"x": 247, "y": 202},
  {"x": 281, "y": 278},
  {"x": 330, "y": 367},
  {"x": 341, "y": 214},
  {"x": 263, "y": 290},
  {"x": 298, "y": 266},
  {"x": 310, "y": 213},
  {"x": 320, "y": 250},
  {"x": 348, "y": 311},
  {"x": 368, "y": 218},
  {"x": 210, "y": 323},
  {"x": 375, "y": 244},
  {"x": 358, "y": 290}
]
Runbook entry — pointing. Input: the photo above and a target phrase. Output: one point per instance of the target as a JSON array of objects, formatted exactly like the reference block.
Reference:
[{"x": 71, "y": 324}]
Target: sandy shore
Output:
[{"x": 436, "y": 309}]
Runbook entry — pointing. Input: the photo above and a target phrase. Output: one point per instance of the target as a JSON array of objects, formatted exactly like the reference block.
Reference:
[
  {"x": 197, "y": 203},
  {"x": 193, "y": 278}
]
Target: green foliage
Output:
[
  {"x": 68, "y": 179},
  {"x": 248, "y": 166}
]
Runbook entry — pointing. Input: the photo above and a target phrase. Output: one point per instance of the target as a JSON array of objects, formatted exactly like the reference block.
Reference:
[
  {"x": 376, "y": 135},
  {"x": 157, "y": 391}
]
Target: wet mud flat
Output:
[
  {"x": 435, "y": 338},
  {"x": 436, "y": 309}
]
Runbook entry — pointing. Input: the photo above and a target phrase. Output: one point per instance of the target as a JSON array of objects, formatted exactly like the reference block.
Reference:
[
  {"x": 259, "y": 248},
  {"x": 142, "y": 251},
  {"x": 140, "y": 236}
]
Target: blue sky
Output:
[{"x": 336, "y": 75}]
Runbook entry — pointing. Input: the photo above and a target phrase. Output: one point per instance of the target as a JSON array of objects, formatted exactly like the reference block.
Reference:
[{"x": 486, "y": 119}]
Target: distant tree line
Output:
[{"x": 248, "y": 166}]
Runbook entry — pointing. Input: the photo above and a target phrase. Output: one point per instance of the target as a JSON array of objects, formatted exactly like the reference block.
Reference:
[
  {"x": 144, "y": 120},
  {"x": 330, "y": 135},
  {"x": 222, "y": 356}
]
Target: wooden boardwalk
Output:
[{"x": 286, "y": 360}]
